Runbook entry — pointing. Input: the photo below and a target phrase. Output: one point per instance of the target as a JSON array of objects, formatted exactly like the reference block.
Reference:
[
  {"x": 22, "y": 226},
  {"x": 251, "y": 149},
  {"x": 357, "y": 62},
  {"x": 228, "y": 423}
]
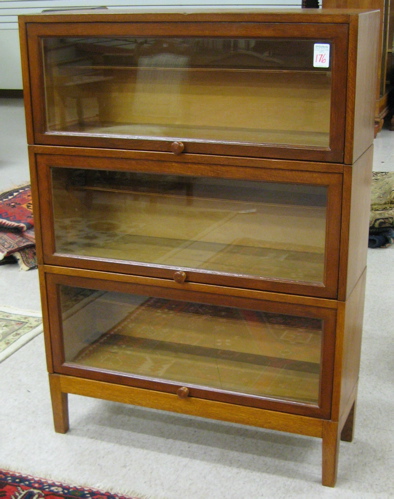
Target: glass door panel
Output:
[
  {"x": 231, "y": 227},
  {"x": 234, "y": 90},
  {"x": 230, "y": 349}
]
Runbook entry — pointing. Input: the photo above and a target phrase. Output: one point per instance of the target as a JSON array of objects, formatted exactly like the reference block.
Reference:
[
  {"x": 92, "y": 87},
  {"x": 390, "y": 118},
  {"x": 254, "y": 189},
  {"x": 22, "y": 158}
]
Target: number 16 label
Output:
[{"x": 321, "y": 55}]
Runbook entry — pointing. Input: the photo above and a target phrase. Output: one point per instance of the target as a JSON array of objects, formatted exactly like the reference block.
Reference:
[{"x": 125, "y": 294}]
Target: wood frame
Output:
[
  {"x": 200, "y": 294},
  {"x": 337, "y": 34},
  {"x": 333, "y": 182},
  {"x": 345, "y": 167},
  {"x": 339, "y": 426}
]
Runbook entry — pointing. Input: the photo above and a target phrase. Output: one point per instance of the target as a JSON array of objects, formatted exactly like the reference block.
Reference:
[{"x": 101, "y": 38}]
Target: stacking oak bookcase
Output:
[{"x": 201, "y": 198}]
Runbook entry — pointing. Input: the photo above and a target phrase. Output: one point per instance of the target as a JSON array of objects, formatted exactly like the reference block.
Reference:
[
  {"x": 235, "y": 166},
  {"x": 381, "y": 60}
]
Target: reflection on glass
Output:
[
  {"x": 226, "y": 348},
  {"x": 233, "y": 90},
  {"x": 229, "y": 226}
]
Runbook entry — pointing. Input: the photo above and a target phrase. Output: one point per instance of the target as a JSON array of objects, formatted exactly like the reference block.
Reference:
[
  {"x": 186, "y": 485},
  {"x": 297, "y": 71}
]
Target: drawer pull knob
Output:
[
  {"x": 180, "y": 277},
  {"x": 177, "y": 148},
  {"x": 183, "y": 392}
]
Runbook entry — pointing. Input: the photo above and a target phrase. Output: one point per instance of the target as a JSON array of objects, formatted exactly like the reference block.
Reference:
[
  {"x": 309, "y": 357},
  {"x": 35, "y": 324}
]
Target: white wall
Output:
[{"x": 10, "y": 72}]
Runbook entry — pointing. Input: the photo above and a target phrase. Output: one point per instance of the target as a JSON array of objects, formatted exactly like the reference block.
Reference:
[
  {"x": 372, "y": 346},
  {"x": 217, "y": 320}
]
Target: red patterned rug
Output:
[
  {"x": 17, "y": 241},
  {"x": 17, "y": 486}
]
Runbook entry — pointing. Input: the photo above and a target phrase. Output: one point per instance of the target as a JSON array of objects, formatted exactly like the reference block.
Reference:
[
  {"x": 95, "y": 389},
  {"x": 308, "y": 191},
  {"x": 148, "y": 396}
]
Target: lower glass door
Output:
[{"x": 231, "y": 350}]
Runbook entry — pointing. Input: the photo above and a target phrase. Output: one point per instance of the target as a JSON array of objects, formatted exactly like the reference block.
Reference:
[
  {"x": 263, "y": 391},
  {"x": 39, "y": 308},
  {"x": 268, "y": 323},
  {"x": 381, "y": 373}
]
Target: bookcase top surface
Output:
[{"x": 197, "y": 15}]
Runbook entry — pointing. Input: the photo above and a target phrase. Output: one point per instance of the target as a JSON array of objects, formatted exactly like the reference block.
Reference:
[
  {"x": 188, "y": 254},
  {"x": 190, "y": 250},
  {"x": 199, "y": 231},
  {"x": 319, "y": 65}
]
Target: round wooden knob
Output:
[
  {"x": 183, "y": 392},
  {"x": 177, "y": 148},
  {"x": 180, "y": 277}
]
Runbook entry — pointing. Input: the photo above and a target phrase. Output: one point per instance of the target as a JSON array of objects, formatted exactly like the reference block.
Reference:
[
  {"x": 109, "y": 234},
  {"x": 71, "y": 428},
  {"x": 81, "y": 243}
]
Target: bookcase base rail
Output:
[{"x": 331, "y": 432}]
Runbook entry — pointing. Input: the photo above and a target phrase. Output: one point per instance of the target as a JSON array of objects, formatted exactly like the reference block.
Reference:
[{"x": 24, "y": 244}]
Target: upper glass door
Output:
[
  {"x": 214, "y": 89},
  {"x": 256, "y": 95}
]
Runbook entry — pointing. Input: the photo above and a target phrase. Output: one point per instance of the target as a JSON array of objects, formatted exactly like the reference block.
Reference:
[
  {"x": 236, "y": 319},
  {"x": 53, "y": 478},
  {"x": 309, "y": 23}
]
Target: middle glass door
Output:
[{"x": 210, "y": 228}]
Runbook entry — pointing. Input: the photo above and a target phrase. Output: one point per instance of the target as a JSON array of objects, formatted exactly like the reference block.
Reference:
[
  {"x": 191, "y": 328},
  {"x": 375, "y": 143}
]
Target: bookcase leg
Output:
[
  {"x": 59, "y": 405},
  {"x": 348, "y": 428},
  {"x": 330, "y": 449}
]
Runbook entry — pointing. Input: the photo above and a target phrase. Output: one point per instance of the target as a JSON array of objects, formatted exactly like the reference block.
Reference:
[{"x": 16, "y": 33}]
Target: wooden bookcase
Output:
[{"x": 201, "y": 197}]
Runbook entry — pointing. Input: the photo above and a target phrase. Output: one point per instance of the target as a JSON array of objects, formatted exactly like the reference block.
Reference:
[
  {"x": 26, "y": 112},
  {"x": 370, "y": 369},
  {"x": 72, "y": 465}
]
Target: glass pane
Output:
[
  {"x": 229, "y": 226},
  {"x": 226, "y": 348},
  {"x": 234, "y": 90}
]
